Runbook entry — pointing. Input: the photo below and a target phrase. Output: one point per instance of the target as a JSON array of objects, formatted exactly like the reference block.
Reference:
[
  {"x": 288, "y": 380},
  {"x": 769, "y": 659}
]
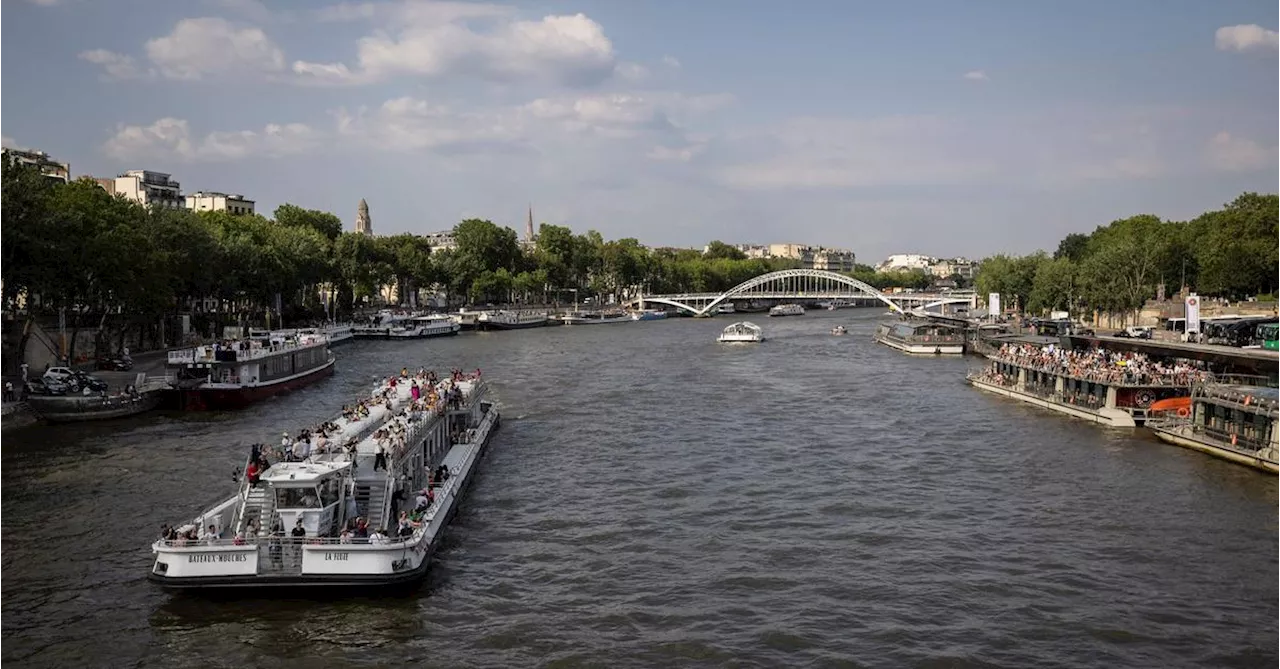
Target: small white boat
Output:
[
  {"x": 726, "y": 308},
  {"x": 787, "y": 310},
  {"x": 648, "y": 315},
  {"x": 743, "y": 332},
  {"x": 839, "y": 330}
]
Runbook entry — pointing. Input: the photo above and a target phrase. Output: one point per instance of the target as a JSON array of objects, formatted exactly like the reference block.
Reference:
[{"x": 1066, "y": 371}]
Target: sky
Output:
[{"x": 931, "y": 126}]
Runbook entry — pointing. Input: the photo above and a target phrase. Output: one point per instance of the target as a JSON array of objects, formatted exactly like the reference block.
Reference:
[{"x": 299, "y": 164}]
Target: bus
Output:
[{"x": 1267, "y": 333}]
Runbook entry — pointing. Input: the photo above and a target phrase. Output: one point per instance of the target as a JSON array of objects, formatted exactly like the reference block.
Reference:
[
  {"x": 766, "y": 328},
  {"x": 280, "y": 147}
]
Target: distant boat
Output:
[
  {"x": 511, "y": 320},
  {"x": 839, "y": 330},
  {"x": 743, "y": 332},
  {"x": 726, "y": 308},
  {"x": 787, "y": 310},
  {"x": 595, "y": 317},
  {"x": 648, "y": 315}
]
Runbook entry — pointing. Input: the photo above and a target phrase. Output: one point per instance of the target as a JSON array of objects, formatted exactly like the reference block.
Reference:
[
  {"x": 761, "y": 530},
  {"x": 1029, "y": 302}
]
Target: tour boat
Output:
[
  {"x": 469, "y": 320},
  {"x": 378, "y": 326},
  {"x": 743, "y": 332},
  {"x": 921, "y": 337},
  {"x": 595, "y": 317},
  {"x": 726, "y": 308},
  {"x": 213, "y": 377},
  {"x": 512, "y": 320},
  {"x": 1230, "y": 421},
  {"x": 421, "y": 327},
  {"x": 292, "y": 529},
  {"x": 648, "y": 315},
  {"x": 1100, "y": 394},
  {"x": 839, "y": 330},
  {"x": 787, "y": 310}
]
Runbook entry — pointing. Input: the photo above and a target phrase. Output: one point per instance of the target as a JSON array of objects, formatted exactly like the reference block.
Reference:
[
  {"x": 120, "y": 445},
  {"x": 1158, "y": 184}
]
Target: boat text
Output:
[
  {"x": 218, "y": 557},
  {"x": 337, "y": 556}
]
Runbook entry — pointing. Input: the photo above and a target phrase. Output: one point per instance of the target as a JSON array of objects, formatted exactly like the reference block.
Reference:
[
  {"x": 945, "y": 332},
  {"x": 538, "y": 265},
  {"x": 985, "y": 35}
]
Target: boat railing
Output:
[
  {"x": 231, "y": 354},
  {"x": 1224, "y": 437},
  {"x": 1110, "y": 376}
]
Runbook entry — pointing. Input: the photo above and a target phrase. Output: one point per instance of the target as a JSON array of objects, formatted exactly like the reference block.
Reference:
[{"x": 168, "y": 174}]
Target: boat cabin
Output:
[{"x": 308, "y": 491}]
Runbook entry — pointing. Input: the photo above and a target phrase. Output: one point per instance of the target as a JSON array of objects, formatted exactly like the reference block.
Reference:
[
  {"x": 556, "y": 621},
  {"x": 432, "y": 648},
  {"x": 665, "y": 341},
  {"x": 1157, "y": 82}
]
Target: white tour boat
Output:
[
  {"x": 839, "y": 330},
  {"x": 787, "y": 310},
  {"x": 743, "y": 332},
  {"x": 421, "y": 327},
  {"x": 726, "y": 308},
  {"x": 512, "y": 320},
  {"x": 294, "y": 527},
  {"x": 595, "y": 317}
]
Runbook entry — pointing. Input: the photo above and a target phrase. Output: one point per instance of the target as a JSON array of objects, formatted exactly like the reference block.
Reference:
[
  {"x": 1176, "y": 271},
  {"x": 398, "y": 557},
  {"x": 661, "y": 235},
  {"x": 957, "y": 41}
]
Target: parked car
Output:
[
  {"x": 74, "y": 380},
  {"x": 115, "y": 363},
  {"x": 1135, "y": 332}
]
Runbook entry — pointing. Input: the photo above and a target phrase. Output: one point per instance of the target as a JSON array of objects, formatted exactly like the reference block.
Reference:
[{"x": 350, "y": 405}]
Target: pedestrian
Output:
[{"x": 24, "y": 372}]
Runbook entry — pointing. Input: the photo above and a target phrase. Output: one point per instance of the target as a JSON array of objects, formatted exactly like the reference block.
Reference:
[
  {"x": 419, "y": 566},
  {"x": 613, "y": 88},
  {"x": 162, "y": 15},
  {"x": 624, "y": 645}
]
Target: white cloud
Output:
[
  {"x": 1236, "y": 154},
  {"x": 211, "y": 46},
  {"x": 116, "y": 65},
  {"x": 437, "y": 40},
  {"x": 1245, "y": 38},
  {"x": 631, "y": 71},
  {"x": 406, "y": 123},
  {"x": 681, "y": 154},
  {"x": 671, "y": 62},
  {"x": 171, "y": 138},
  {"x": 255, "y": 10},
  {"x": 976, "y": 75},
  {"x": 44, "y": 3}
]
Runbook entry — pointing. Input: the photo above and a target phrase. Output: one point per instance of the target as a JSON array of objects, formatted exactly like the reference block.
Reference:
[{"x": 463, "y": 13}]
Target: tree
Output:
[
  {"x": 325, "y": 223},
  {"x": 717, "y": 250}
]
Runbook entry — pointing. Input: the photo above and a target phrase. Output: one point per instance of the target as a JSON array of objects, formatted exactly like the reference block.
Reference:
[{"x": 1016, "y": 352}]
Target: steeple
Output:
[
  {"x": 364, "y": 224},
  {"x": 528, "y": 227}
]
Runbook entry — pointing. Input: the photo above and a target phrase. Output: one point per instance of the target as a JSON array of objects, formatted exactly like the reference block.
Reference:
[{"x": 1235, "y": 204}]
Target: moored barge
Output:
[
  {"x": 243, "y": 372},
  {"x": 1105, "y": 388},
  {"x": 335, "y": 519},
  {"x": 1226, "y": 420},
  {"x": 923, "y": 337}
]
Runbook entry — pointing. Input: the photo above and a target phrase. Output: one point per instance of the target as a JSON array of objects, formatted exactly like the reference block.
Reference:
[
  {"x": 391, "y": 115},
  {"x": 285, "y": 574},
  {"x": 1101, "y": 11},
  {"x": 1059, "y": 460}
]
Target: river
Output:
[{"x": 656, "y": 499}]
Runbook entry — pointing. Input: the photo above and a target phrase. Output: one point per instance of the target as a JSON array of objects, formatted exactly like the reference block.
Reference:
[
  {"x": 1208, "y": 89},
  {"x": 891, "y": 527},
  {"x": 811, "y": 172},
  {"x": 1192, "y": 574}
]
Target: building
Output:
[
  {"x": 41, "y": 161},
  {"x": 946, "y": 267},
  {"x": 810, "y": 257},
  {"x": 212, "y": 201},
  {"x": 150, "y": 189},
  {"x": 364, "y": 223},
  {"x": 905, "y": 262},
  {"x": 530, "y": 241},
  {"x": 442, "y": 241}
]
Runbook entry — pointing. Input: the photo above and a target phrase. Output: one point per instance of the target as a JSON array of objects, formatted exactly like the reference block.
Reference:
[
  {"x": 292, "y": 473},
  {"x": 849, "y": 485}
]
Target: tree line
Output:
[
  {"x": 111, "y": 264},
  {"x": 1230, "y": 253}
]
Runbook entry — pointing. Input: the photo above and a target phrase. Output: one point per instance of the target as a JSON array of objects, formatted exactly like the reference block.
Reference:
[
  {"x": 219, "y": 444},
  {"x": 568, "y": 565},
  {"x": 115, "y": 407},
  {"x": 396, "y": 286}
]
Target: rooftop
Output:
[
  {"x": 302, "y": 472},
  {"x": 214, "y": 193}
]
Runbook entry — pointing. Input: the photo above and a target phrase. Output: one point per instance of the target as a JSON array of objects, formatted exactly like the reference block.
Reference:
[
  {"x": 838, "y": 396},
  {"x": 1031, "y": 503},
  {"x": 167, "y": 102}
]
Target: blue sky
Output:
[{"x": 947, "y": 128}]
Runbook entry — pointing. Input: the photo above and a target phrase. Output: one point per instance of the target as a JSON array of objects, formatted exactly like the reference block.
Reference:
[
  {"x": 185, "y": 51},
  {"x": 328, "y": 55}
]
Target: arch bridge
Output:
[{"x": 804, "y": 284}]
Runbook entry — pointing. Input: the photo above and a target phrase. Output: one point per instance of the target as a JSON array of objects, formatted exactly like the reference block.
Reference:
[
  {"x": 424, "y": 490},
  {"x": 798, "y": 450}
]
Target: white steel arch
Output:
[{"x": 820, "y": 282}]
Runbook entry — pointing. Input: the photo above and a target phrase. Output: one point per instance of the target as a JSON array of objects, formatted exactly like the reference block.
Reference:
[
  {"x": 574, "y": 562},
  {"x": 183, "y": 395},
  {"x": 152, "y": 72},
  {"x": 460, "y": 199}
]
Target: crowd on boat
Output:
[
  {"x": 426, "y": 394},
  {"x": 1102, "y": 366}
]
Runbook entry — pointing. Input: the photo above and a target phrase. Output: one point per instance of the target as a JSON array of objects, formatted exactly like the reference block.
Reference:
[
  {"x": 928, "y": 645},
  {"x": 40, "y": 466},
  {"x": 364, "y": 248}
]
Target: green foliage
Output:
[{"x": 1230, "y": 253}]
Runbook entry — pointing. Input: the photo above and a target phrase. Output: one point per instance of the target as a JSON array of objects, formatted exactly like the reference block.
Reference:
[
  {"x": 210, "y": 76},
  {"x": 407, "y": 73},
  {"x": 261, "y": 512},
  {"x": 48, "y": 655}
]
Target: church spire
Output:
[
  {"x": 364, "y": 224},
  {"x": 528, "y": 227}
]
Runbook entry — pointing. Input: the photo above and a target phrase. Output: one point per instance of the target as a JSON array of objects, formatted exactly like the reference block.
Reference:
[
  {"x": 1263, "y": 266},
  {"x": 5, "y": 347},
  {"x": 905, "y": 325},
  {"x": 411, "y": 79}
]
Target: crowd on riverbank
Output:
[{"x": 1103, "y": 366}]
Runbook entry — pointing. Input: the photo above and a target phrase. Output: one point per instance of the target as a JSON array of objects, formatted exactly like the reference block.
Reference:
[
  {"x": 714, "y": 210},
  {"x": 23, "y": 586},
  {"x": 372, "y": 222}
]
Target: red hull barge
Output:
[
  {"x": 231, "y": 399},
  {"x": 239, "y": 373}
]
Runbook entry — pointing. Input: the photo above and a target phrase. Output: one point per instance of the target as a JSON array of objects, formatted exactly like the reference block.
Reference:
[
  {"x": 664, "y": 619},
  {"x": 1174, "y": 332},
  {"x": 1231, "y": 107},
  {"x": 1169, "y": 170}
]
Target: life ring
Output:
[
  {"x": 1145, "y": 398},
  {"x": 1183, "y": 412}
]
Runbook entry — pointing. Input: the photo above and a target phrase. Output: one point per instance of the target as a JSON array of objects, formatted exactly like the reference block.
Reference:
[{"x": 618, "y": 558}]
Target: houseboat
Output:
[
  {"x": 512, "y": 320},
  {"x": 1227, "y": 420},
  {"x": 743, "y": 332},
  {"x": 335, "y": 519},
  {"x": 469, "y": 320},
  {"x": 1094, "y": 385},
  {"x": 787, "y": 310},
  {"x": 921, "y": 337},
  {"x": 595, "y": 317},
  {"x": 232, "y": 377},
  {"x": 378, "y": 326},
  {"x": 726, "y": 308},
  {"x": 421, "y": 327},
  {"x": 648, "y": 315}
]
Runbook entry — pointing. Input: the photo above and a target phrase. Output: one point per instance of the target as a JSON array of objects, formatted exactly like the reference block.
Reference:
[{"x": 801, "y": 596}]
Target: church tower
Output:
[
  {"x": 528, "y": 227},
  {"x": 364, "y": 224}
]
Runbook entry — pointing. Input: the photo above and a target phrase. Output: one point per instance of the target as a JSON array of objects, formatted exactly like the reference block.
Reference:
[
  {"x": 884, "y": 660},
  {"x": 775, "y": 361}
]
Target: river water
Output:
[{"x": 656, "y": 499}]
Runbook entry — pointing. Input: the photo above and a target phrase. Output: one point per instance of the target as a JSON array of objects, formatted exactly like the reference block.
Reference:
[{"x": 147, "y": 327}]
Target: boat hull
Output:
[
  {"x": 488, "y": 325},
  {"x": 73, "y": 410},
  {"x": 1186, "y": 439},
  {"x": 404, "y": 580},
  {"x": 225, "y": 399},
  {"x": 923, "y": 348},
  {"x": 1102, "y": 416}
]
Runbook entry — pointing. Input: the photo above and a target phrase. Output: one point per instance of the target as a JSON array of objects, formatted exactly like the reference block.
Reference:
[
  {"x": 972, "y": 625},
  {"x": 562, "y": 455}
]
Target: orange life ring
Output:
[{"x": 1183, "y": 412}]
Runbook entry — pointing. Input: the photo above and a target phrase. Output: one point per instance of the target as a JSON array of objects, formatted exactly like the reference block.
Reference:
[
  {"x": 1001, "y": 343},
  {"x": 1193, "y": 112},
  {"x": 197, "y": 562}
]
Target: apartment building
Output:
[
  {"x": 41, "y": 161},
  {"x": 238, "y": 205}
]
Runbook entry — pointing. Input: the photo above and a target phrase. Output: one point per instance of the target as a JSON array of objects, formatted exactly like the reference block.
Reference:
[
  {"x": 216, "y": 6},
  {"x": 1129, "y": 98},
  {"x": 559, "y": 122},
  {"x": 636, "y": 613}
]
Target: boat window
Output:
[
  {"x": 297, "y": 498},
  {"x": 329, "y": 492}
]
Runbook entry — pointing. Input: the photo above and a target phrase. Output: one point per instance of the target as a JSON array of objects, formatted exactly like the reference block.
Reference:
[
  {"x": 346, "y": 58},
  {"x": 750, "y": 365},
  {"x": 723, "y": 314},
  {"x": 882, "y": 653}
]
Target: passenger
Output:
[
  {"x": 423, "y": 501},
  {"x": 239, "y": 540},
  {"x": 285, "y": 444},
  {"x": 252, "y": 474},
  {"x": 211, "y": 536}
]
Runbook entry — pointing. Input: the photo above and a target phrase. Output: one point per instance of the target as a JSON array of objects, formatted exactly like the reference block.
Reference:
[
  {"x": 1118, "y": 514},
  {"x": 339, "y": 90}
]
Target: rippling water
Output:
[{"x": 656, "y": 499}]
